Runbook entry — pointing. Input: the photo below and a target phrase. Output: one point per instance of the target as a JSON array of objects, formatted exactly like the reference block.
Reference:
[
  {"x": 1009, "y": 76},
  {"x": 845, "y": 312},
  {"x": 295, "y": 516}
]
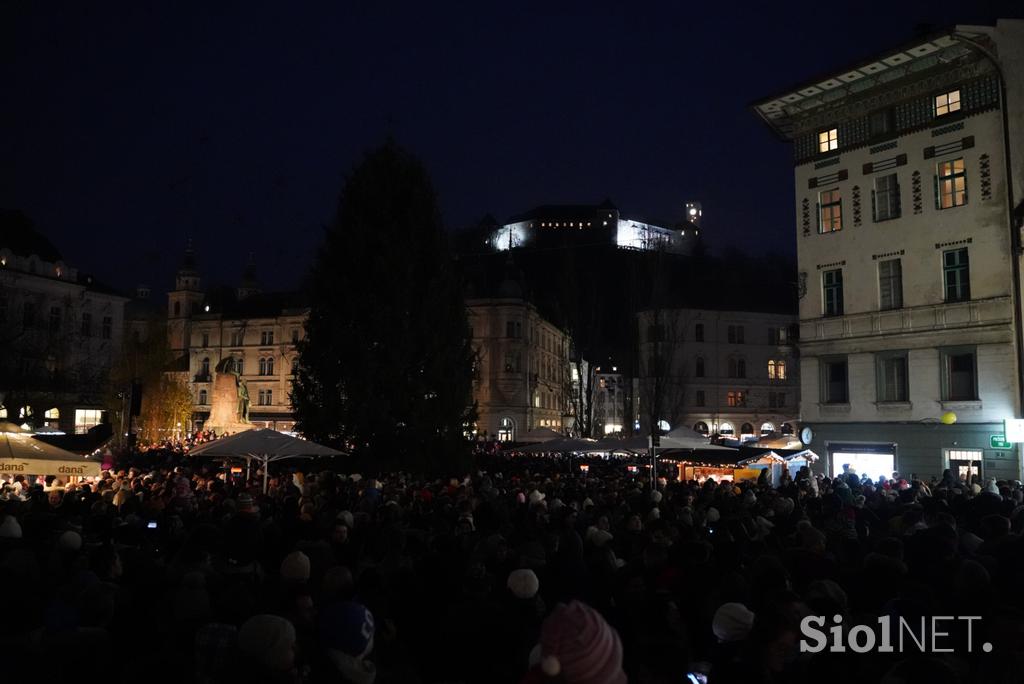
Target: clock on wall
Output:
[{"x": 806, "y": 435}]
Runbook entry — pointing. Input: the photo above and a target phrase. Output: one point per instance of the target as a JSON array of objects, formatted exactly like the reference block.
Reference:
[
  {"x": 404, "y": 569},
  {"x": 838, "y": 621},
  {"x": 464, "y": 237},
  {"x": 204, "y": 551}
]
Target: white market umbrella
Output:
[
  {"x": 264, "y": 445},
  {"x": 20, "y": 454},
  {"x": 542, "y": 434}
]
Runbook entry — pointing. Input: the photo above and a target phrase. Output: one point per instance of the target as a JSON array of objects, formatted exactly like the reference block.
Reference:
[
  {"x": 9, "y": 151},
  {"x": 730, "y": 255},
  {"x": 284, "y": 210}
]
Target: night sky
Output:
[{"x": 130, "y": 126}]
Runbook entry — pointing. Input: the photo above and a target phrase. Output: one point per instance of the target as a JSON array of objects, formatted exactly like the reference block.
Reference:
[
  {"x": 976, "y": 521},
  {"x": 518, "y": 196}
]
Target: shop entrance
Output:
[{"x": 965, "y": 463}]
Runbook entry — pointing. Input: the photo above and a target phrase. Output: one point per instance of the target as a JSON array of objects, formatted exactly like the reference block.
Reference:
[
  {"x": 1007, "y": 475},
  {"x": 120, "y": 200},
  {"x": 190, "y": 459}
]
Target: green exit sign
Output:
[{"x": 999, "y": 442}]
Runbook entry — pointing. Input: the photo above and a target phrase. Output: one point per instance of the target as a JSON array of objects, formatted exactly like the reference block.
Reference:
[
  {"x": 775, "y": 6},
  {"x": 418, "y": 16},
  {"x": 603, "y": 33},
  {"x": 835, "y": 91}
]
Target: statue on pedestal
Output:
[
  {"x": 229, "y": 404},
  {"x": 243, "y": 399}
]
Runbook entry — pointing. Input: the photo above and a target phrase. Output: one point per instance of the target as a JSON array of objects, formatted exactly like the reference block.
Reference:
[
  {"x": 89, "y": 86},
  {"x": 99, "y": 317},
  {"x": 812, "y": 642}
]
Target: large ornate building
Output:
[
  {"x": 60, "y": 332},
  {"x": 521, "y": 378},
  {"x": 908, "y": 217},
  {"x": 732, "y": 373},
  {"x": 259, "y": 330}
]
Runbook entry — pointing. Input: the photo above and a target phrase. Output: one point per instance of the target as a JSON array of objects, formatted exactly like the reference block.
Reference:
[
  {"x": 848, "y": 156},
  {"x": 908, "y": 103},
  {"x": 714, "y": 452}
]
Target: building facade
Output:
[
  {"x": 602, "y": 224},
  {"x": 521, "y": 378},
  {"x": 60, "y": 333},
  {"x": 731, "y": 373},
  {"x": 909, "y": 253},
  {"x": 259, "y": 330}
]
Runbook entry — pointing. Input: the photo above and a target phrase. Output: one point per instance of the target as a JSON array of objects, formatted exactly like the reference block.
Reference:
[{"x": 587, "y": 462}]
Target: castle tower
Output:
[
  {"x": 183, "y": 302},
  {"x": 250, "y": 283},
  {"x": 694, "y": 213}
]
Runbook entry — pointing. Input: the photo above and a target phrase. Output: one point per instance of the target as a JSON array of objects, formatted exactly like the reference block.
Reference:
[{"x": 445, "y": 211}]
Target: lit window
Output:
[
  {"x": 776, "y": 369},
  {"x": 725, "y": 429},
  {"x": 951, "y": 184},
  {"x": 506, "y": 430},
  {"x": 947, "y": 103},
  {"x": 87, "y": 418},
  {"x": 830, "y": 205},
  {"x": 828, "y": 140},
  {"x": 736, "y": 398},
  {"x": 52, "y": 414}
]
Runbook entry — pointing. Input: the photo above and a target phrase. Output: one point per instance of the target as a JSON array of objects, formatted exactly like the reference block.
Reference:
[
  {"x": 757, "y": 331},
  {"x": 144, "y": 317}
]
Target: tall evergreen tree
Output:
[{"x": 385, "y": 367}]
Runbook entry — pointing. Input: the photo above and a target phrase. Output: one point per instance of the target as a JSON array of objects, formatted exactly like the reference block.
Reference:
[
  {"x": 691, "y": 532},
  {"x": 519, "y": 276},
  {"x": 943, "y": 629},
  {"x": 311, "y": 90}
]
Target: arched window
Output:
[
  {"x": 664, "y": 426},
  {"x": 701, "y": 427},
  {"x": 206, "y": 366},
  {"x": 787, "y": 429},
  {"x": 506, "y": 430},
  {"x": 771, "y": 370},
  {"x": 726, "y": 429},
  {"x": 699, "y": 370},
  {"x": 747, "y": 429},
  {"x": 766, "y": 428},
  {"x": 202, "y": 397},
  {"x": 270, "y": 366}
]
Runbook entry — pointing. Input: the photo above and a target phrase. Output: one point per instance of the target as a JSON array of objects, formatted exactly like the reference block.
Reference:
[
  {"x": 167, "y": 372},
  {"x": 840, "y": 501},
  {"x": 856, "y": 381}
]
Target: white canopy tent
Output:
[
  {"x": 265, "y": 446},
  {"x": 564, "y": 445},
  {"x": 20, "y": 454}
]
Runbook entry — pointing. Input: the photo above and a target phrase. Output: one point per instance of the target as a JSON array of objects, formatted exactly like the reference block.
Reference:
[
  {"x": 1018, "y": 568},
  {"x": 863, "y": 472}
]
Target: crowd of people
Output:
[{"x": 527, "y": 570}]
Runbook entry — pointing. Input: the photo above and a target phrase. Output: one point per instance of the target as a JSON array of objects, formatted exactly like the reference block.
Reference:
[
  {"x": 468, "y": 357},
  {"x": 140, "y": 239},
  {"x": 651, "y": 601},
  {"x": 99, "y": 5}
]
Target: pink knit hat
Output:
[{"x": 577, "y": 643}]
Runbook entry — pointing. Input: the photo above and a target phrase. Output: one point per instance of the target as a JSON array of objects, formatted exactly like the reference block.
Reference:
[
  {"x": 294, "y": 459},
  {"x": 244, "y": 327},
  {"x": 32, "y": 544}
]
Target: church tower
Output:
[
  {"x": 250, "y": 283},
  {"x": 183, "y": 302}
]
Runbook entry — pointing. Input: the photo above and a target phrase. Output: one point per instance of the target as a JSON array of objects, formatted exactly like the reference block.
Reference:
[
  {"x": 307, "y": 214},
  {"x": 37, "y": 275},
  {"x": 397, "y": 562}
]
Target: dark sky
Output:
[{"x": 129, "y": 126}]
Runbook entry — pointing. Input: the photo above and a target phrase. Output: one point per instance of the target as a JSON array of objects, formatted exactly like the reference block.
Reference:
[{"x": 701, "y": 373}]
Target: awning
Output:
[{"x": 20, "y": 454}]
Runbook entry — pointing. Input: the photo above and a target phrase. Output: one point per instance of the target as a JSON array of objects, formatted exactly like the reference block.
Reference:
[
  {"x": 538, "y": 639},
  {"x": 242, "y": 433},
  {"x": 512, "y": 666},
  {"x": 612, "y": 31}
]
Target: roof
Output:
[
  {"x": 20, "y": 236},
  {"x": 937, "y": 49},
  {"x": 224, "y": 303}
]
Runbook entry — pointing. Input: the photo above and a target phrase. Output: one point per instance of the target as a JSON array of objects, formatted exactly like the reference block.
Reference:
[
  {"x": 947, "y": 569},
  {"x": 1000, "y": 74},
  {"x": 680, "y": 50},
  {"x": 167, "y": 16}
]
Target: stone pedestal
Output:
[{"x": 224, "y": 405}]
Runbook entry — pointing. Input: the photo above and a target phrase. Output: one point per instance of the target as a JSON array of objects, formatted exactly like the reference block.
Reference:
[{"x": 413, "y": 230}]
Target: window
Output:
[
  {"x": 832, "y": 287},
  {"x": 655, "y": 333},
  {"x": 890, "y": 284},
  {"x": 240, "y": 366},
  {"x": 830, "y": 211},
  {"x": 885, "y": 198},
  {"x": 891, "y": 376},
  {"x": 206, "y": 340},
  {"x": 86, "y": 324},
  {"x": 265, "y": 397},
  {"x": 947, "y": 103},
  {"x": 202, "y": 397},
  {"x": 767, "y": 428},
  {"x": 267, "y": 337},
  {"x": 746, "y": 429},
  {"x": 506, "y": 430},
  {"x": 699, "y": 367},
  {"x": 734, "y": 333},
  {"x": 701, "y": 427},
  {"x": 959, "y": 374},
  {"x": 205, "y": 367},
  {"x": 699, "y": 398},
  {"x": 736, "y": 398},
  {"x": 965, "y": 463},
  {"x": 950, "y": 184},
  {"x": 512, "y": 360},
  {"x": 956, "y": 273},
  {"x": 263, "y": 366},
  {"x": 776, "y": 400},
  {"x": 834, "y": 389},
  {"x": 881, "y": 122},
  {"x": 177, "y": 308},
  {"x": 698, "y": 332},
  {"x": 725, "y": 429},
  {"x": 54, "y": 319},
  {"x": 105, "y": 329},
  {"x": 737, "y": 368},
  {"x": 513, "y": 329},
  {"x": 87, "y": 418},
  {"x": 776, "y": 369},
  {"x": 828, "y": 140},
  {"x": 237, "y": 338}
]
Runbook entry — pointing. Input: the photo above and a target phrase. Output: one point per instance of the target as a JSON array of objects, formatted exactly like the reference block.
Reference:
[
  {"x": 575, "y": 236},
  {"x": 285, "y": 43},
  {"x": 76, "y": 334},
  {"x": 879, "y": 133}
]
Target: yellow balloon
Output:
[{"x": 948, "y": 418}]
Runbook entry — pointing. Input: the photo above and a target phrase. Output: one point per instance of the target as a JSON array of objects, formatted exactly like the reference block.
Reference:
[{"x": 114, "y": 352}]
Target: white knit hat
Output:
[
  {"x": 295, "y": 567},
  {"x": 536, "y": 497},
  {"x": 523, "y": 583},
  {"x": 10, "y": 528},
  {"x": 732, "y": 622},
  {"x": 70, "y": 541}
]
